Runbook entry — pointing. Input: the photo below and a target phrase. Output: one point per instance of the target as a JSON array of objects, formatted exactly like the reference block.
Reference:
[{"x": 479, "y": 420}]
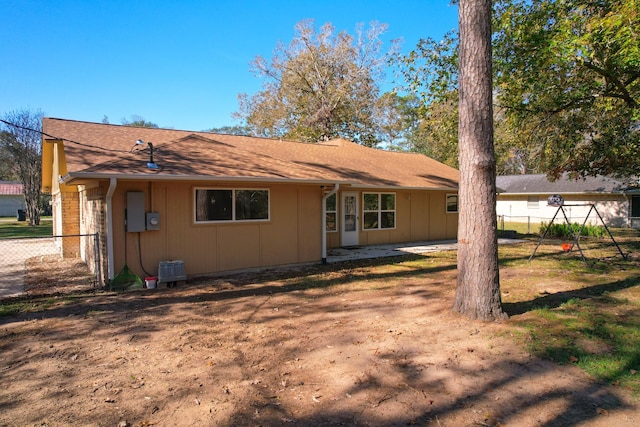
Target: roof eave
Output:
[
  {"x": 78, "y": 178},
  {"x": 75, "y": 178}
]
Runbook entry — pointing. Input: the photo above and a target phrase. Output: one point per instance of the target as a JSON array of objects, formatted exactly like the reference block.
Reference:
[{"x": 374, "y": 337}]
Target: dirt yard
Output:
[{"x": 368, "y": 344}]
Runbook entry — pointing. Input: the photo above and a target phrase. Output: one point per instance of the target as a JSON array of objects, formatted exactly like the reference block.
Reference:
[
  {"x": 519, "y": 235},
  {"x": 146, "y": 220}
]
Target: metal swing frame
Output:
[{"x": 578, "y": 235}]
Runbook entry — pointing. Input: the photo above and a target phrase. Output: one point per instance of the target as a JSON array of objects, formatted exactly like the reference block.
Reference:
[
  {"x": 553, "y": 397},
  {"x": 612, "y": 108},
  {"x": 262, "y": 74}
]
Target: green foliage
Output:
[
  {"x": 564, "y": 230},
  {"x": 232, "y": 130},
  {"x": 566, "y": 87},
  {"x": 323, "y": 85},
  {"x": 567, "y": 78},
  {"x": 137, "y": 121}
]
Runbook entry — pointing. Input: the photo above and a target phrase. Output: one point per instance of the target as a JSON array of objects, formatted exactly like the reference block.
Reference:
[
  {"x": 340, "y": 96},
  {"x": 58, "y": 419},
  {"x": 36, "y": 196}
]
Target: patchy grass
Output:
[
  {"x": 572, "y": 312},
  {"x": 15, "y": 306},
  {"x": 561, "y": 308},
  {"x": 17, "y": 229},
  {"x": 521, "y": 228},
  {"x": 600, "y": 335}
]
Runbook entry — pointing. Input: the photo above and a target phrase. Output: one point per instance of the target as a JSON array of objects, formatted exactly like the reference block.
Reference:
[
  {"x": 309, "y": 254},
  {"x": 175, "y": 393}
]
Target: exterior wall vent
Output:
[{"x": 171, "y": 271}]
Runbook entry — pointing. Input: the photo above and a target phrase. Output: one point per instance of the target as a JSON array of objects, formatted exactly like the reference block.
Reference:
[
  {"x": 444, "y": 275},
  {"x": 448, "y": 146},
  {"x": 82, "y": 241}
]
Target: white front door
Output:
[{"x": 350, "y": 219}]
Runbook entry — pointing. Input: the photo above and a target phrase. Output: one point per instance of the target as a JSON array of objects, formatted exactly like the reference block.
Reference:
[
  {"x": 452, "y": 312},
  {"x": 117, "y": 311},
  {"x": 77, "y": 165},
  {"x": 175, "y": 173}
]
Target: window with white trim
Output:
[
  {"x": 533, "y": 202},
  {"x": 379, "y": 211},
  {"x": 332, "y": 213},
  {"x": 452, "y": 203},
  {"x": 225, "y": 205}
]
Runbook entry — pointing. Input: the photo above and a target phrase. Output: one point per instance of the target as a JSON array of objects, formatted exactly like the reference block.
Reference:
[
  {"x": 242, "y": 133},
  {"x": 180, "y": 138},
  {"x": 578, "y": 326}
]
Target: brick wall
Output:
[
  {"x": 69, "y": 205},
  {"x": 93, "y": 220}
]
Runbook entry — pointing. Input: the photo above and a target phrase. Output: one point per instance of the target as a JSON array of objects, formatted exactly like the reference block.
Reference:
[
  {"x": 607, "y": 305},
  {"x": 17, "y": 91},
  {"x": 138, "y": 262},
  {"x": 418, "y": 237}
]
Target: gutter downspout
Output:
[
  {"x": 112, "y": 188},
  {"x": 324, "y": 219}
]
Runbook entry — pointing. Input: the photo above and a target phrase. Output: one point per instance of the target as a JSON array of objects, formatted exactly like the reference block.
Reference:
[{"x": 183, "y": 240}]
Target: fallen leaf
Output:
[
  {"x": 602, "y": 411},
  {"x": 573, "y": 359}
]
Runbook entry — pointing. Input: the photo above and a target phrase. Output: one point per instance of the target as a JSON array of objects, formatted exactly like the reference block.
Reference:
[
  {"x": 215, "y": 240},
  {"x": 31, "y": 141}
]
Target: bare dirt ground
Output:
[{"x": 279, "y": 349}]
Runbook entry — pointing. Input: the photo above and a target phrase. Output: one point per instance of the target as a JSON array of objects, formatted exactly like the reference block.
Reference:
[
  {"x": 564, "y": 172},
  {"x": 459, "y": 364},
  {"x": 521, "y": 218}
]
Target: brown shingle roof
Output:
[{"x": 100, "y": 150}]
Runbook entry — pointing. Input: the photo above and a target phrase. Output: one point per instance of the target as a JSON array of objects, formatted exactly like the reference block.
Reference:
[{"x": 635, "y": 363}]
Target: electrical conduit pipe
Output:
[{"x": 112, "y": 188}]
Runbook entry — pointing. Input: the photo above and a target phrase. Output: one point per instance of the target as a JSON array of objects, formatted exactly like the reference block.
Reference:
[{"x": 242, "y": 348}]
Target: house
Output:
[
  {"x": 222, "y": 203},
  {"x": 523, "y": 198},
  {"x": 11, "y": 198}
]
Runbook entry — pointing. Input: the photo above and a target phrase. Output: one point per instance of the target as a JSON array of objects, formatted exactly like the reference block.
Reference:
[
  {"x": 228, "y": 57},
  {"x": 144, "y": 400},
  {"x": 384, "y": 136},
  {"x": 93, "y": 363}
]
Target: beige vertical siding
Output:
[
  {"x": 292, "y": 235},
  {"x": 420, "y": 216}
]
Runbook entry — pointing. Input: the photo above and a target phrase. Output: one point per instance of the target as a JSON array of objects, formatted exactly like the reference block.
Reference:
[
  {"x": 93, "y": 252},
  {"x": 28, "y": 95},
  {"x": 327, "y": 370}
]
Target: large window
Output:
[
  {"x": 332, "y": 213},
  {"x": 379, "y": 211},
  {"x": 231, "y": 205},
  {"x": 452, "y": 203}
]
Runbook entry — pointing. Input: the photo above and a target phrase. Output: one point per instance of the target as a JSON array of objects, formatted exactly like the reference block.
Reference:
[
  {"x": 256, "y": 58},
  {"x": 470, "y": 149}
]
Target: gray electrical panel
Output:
[{"x": 135, "y": 219}]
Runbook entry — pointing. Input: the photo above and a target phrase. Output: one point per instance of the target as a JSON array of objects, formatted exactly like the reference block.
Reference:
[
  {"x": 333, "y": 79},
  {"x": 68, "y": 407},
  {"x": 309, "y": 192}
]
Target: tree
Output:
[
  {"x": 7, "y": 171},
  {"x": 567, "y": 89},
  {"x": 568, "y": 79},
  {"x": 21, "y": 142},
  {"x": 437, "y": 133},
  {"x": 478, "y": 283},
  {"x": 136, "y": 121},
  {"x": 232, "y": 130},
  {"x": 322, "y": 85}
]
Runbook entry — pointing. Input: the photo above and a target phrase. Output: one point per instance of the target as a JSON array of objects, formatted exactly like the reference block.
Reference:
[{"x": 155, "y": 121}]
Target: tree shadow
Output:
[{"x": 555, "y": 300}]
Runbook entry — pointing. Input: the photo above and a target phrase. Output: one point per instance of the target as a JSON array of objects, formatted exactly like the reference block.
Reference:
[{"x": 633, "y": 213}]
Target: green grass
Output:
[
  {"x": 521, "y": 228},
  {"x": 601, "y": 335},
  {"x": 13, "y": 307},
  {"x": 10, "y": 228},
  {"x": 571, "y": 313}
]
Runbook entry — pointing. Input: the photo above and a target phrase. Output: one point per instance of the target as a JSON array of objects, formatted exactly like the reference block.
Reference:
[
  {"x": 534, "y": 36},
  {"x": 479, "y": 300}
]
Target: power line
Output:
[{"x": 62, "y": 139}]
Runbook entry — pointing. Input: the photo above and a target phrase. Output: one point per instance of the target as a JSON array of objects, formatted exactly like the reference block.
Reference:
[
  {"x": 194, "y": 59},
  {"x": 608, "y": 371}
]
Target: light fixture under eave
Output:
[{"x": 150, "y": 164}]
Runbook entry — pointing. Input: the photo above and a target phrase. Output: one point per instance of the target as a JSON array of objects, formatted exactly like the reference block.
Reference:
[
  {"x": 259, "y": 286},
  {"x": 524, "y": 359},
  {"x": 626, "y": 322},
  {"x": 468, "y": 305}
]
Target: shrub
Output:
[{"x": 569, "y": 230}]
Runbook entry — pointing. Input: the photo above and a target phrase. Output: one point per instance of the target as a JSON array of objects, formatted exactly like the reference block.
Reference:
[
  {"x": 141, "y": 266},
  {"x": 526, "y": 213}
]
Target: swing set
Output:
[{"x": 558, "y": 201}]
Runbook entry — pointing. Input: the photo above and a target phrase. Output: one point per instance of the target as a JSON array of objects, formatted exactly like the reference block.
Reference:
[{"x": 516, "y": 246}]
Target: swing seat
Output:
[{"x": 567, "y": 247}]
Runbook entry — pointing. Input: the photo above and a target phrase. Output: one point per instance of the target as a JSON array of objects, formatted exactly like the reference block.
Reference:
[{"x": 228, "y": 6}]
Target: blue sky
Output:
[{"x": 179, "y": 64}]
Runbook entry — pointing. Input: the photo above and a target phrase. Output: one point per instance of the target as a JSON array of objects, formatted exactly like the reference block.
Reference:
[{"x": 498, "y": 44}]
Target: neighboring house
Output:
[
  {"x": 11, "y": 198},
  {"x": 523, "y": 198},
  {"x": 224, "y": 202}
]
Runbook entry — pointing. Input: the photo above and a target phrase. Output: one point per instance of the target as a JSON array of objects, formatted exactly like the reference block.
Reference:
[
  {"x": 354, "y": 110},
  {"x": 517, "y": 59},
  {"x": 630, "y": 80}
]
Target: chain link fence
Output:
[
  {"x": 533, "y": 223},
  {"x": 49, "y": 265}
]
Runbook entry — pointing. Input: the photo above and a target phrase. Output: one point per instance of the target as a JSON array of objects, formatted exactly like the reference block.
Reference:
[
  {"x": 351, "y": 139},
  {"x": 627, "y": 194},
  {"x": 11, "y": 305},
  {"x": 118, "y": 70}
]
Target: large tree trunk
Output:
[{"x": 478, "y": 286}]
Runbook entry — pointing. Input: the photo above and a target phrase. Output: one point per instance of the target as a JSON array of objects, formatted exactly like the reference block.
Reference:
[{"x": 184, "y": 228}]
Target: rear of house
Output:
[{"x": 223, "y": 203}]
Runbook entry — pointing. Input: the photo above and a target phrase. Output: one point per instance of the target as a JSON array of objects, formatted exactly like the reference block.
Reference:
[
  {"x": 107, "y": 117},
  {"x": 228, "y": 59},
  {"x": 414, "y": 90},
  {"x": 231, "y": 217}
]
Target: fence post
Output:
[{"x": 528, "y": 225}]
